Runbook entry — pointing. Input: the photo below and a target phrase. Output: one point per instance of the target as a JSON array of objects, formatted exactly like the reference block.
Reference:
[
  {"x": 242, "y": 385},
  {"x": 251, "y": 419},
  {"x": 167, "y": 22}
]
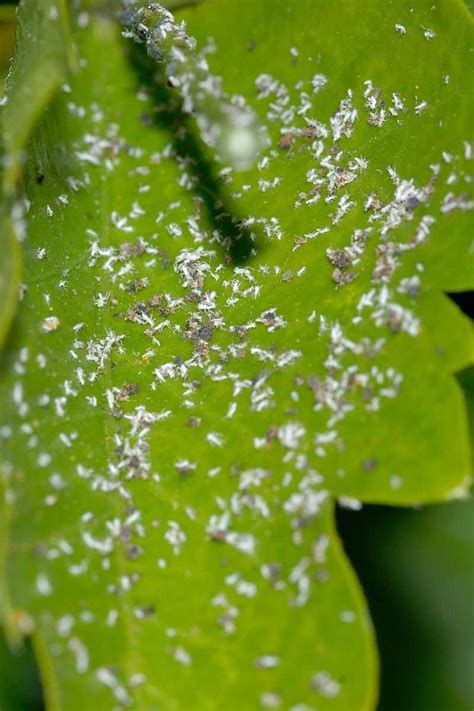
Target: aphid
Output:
[
  {"x": 287, "y": 140},
  {"x": 342, "y": 277}
]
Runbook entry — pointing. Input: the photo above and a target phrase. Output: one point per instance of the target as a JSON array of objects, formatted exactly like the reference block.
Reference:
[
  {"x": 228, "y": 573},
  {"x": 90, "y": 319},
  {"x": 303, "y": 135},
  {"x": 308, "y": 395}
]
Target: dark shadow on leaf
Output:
[{"x": 239, "y": 244}]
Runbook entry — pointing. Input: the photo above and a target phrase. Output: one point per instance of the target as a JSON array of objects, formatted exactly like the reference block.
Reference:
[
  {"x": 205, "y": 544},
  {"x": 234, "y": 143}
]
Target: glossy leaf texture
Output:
[{"x": 204, "y": 360}]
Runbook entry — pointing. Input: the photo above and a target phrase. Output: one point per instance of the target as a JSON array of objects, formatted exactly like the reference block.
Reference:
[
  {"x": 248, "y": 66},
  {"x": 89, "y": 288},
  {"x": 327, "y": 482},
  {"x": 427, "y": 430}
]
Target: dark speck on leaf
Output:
[
  {"x": 367, "y": 394},
  {"x": 218, "y": 536},
  {"x": 205, "y": 333},
  {"x": 321, "y": 576},
  {"x": 413, "y": 290},
  {"x": 411, "y": 203},
  {"x": 369, "y": 464},
  {"x": 40, "y": 550},
  {"x": 134, "y": 552},
  {"x": 145, "y": 119}
]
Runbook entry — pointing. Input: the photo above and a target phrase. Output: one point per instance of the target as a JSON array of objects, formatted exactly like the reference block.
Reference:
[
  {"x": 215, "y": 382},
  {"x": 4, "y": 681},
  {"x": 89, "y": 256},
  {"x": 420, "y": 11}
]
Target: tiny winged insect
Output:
[{"x": 225, "y": 123}]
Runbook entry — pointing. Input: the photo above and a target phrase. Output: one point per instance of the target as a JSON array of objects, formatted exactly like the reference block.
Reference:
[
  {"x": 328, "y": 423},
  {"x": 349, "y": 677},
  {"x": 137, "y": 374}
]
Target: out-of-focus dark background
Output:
[{"x": 416, "y": 567}]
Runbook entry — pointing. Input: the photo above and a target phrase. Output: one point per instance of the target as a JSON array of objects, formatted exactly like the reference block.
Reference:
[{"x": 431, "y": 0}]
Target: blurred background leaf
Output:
[
  {"x": 416, "y": 568},
  {"x": 20, "y": 688}
]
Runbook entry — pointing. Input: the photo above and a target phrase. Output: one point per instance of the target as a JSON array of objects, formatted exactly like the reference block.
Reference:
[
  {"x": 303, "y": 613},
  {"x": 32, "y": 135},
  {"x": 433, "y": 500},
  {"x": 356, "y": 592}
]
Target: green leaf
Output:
[
  {"x": 38, "y": 70},
  {"x": 190, "y": 383},
  {"x": 44, "y": 50}
]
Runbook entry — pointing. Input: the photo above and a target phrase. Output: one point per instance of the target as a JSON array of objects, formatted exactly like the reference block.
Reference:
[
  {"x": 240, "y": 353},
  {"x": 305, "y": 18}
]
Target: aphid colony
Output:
[{"x": 241, "y": 378}]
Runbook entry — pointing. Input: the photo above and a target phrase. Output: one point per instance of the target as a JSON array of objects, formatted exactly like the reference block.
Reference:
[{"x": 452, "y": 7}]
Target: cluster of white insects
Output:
[{"x": 220, "y": 350}]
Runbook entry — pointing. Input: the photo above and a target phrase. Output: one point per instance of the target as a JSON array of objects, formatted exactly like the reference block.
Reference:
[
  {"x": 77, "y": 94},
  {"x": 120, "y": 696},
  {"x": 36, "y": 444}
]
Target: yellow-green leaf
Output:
[{"x": 204, "y": 360}]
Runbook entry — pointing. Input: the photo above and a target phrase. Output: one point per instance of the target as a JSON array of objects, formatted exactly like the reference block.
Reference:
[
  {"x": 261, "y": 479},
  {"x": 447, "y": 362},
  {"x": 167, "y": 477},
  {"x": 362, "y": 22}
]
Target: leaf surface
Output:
[{"x": 190, "y": 382}]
